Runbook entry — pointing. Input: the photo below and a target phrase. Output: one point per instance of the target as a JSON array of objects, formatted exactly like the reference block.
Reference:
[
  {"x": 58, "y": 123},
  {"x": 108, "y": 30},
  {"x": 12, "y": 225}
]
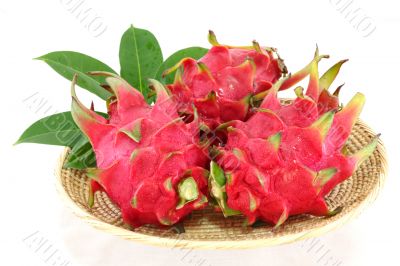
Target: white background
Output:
[{"x": 29, "y": 202}]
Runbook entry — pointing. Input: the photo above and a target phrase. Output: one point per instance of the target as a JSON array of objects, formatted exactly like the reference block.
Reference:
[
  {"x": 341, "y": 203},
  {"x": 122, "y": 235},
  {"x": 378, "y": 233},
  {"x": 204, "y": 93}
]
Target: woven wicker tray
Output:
[{"x": 210, "y": 230}]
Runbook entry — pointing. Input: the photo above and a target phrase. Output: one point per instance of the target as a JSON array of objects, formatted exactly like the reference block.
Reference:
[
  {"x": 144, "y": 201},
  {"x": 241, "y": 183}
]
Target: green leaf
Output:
[
  {"x": 68, "y": 63},
  {"x": 140, "y": 57},
  {"x": 58, "y": 129},
  {"x": 193, "y": 52},
  {"x": 82, "y": 155}
]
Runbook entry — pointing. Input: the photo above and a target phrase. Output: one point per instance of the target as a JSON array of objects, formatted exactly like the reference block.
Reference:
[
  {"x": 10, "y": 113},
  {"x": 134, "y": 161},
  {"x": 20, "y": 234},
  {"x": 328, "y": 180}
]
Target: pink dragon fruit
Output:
[
  {"x": 149, "y": 161},
  {"x": 284, "y": 159},
  {"x": 222, "y": 83}
]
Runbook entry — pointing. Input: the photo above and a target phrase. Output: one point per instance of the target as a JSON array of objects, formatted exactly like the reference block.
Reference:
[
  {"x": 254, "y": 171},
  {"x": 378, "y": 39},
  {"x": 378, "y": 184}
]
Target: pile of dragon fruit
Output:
[
  {"x": 215, "y": 136},
  {"x": 219, "y": 136}
]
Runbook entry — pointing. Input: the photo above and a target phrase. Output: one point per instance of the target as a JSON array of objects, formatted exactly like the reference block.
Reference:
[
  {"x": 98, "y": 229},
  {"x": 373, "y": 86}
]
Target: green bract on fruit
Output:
[{"x": 217, "y": 134}]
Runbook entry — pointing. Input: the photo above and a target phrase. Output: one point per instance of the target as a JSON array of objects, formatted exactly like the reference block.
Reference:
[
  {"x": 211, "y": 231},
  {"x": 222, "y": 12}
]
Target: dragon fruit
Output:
[
  {"x": 221, "y": 84},
  {"x": 285, "y": 158},
  {"x": 149, "y": 161}
]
